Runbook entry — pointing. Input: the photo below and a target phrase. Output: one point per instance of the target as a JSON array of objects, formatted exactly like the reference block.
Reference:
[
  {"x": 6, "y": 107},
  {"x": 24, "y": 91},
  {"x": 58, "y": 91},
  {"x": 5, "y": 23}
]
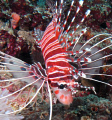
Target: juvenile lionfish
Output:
[{"x": 66, "y": 60}]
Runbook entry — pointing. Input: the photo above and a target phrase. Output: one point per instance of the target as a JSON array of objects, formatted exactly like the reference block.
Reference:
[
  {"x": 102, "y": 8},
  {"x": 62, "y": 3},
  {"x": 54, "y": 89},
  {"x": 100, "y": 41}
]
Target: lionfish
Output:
[{"x": 67, "y": 59}]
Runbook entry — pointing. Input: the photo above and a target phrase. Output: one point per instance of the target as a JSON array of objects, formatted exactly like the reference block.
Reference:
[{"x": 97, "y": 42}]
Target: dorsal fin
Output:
[{"x": 59, "y": 24}]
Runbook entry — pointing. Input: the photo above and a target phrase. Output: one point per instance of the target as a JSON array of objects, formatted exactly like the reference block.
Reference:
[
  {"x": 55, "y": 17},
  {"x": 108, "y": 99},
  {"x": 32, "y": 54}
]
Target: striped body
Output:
[
  {"x": 56, "y": 62},
  {"x": 61, "y": 75},
  {"x": 54, "y": 55}
]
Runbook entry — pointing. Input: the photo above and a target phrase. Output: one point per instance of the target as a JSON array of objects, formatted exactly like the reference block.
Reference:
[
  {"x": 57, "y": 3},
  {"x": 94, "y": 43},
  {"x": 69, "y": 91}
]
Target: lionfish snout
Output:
[
  {"x": 63, "y": 94},
  {"x": 61, "y": 88}
]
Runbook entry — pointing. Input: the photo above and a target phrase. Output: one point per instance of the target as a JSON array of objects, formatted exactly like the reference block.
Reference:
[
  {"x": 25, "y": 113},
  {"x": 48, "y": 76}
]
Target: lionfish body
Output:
[
  {"x": 56, "y": 61},
  {"x": 58, "y": 52}
]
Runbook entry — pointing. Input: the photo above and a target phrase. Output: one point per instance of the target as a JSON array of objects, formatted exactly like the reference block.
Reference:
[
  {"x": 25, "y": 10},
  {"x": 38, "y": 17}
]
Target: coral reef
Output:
[
  {"x": 12, "y": 45},
  {"x": 20, "y": 42},
  {"x": 82, "y": 108}
]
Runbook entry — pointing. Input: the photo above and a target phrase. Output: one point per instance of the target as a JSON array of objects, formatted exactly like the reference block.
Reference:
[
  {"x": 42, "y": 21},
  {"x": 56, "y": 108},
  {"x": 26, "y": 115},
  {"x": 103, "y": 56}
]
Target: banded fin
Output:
[
  {"x": 19, "y": 77},
  {"x": 91, "y": 57},
  {"x": 16, "y": 67},
  {"x": 38, "y": 35}
]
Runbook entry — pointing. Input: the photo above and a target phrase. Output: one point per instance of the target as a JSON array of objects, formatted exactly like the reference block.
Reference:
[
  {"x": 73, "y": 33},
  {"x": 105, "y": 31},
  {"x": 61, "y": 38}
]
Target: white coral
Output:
[{"x": 6, "y": 108}]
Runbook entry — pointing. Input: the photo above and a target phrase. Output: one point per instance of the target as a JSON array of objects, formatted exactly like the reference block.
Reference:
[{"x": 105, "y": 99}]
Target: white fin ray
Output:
[
  {"x": 28, "y": 101},
  {"x": 98, "y": 74},
  {"x": 98, "y": 81},
  {"x": 20, "y": 89}
]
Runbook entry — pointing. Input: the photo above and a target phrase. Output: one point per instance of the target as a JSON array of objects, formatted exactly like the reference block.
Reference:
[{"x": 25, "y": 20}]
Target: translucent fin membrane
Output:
[
  {"x": 16, "y": 73},
  {"x": 90, "y": 56},
  {"x": 28, "y": 80},
  {"x": 28, "y": 101}
]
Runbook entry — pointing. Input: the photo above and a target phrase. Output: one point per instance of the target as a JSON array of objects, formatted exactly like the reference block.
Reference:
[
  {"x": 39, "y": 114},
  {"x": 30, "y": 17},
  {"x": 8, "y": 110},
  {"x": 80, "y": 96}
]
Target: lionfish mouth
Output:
[{"x": 68, "y": 58}]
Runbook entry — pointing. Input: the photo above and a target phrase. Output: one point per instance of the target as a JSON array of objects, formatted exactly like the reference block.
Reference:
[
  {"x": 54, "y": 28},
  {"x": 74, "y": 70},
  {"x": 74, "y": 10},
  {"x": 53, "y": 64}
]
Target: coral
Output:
[
  {"x": 29, "y": 14},
  {"x": 12, "y": 45},
  {"x": 15, "y": 20},
  {"x": 100, "y": 14},
  {"x": 91, "y": 106},
  {"x": 41, "y": 3},
  {"x": 5, "y": 107}
]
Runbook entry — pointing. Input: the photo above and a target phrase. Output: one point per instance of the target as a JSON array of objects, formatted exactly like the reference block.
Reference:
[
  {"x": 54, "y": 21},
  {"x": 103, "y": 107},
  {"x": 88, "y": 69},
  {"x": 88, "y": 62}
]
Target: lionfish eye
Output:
[{"x": 62, "y": 86}]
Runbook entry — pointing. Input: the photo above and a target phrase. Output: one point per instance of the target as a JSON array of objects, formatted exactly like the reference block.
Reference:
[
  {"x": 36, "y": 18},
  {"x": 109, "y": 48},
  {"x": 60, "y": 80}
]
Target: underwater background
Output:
[{"x": 16, "y": 39}]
